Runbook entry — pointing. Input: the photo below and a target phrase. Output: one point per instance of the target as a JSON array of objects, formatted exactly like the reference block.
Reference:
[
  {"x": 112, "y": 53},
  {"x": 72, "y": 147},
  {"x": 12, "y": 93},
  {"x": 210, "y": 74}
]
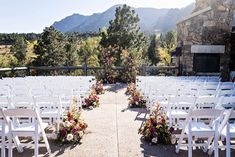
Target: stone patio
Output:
[{"x": 113, "y": 132}]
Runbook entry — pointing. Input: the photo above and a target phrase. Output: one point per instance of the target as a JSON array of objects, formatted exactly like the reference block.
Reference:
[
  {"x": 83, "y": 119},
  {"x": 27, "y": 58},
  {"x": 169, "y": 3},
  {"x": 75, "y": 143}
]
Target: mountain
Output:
[{"x": 151, "y": 19}]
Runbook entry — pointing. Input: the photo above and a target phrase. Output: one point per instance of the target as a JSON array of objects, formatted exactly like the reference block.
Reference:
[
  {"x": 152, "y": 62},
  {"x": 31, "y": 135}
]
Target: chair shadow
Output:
[
  {"x": 59, "y": 149},
  {"x": 115, "y": 87}
]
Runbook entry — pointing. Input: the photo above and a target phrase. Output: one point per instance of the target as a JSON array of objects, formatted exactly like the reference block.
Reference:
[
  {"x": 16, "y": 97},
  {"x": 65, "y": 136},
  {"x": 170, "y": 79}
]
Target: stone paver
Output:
[{"x": 113, "y": 132}]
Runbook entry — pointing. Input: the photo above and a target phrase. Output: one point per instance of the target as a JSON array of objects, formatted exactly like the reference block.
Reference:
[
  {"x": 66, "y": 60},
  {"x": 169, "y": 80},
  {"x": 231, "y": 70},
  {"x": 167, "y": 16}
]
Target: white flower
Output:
[
  {"x": 69, "y": 137},
  {"x": 80, "y": 133},
  {"x": 67, "y": 124},
  {"x": 154, "y": 140},
  {"x": 173, "y": 139},
  {"x": 91, "y": 107}
]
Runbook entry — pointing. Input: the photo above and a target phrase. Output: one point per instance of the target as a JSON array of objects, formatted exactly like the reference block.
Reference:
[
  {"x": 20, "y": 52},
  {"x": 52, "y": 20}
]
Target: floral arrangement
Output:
[
  {"x": 92, "y": 101},
  {"x": 137, "y": 100},
  {"x": 155, "y": 129},
  {"x": 99, "y": 88},
  {"x": 73, "y": 127},
  {"x": 108, "y": 59},
  {"x": 130, "y": 88}
]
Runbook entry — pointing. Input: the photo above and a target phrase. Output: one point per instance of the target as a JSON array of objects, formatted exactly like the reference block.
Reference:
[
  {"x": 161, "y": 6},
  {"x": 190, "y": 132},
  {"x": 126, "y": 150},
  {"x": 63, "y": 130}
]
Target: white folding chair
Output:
[
  {"x": 50, "y": 108},
  {"x": 200, "y": 129},
  {"x": 178, "y": 109},
  {"x": 228, "y": 132},
  {"x": 35, "y": 129},
  {"x": 66, "y": 96}
]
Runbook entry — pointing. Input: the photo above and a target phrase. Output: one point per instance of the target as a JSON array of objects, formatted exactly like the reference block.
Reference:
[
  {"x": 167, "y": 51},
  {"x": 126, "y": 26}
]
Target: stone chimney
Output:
[
  {"x": 201, "y": 4},
  {"x": 206, "y": 31}
]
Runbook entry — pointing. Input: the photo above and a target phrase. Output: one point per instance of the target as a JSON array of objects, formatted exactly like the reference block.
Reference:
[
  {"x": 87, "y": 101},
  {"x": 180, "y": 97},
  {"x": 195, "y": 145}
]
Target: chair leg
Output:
[
  {"x": 36, "y": 138},
  {"x": 179, "y": 142},
  {"x": 190, "y": 147},
  {"x": 46, "y": 142},
  {"x": 18, "y": 144},
  {"x": 10, "y": 142},
  {"x": 216, "y": 139},
  {"x": 208, "y": 144},
  {"x": 3, "y": 141},
  {"x": 228, "y": 154},
  {"x": 36, "y": 146}
]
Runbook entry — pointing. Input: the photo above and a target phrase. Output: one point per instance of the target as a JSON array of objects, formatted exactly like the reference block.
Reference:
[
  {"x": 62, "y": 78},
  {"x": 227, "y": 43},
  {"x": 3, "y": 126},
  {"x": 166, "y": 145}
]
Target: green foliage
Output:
[
  {"x": 89, "y": 51},
  {"x": 19, "y": 50},
  {"x": 168, "y": 43},
  {"x": 153, "y": 53},
  {"x": 164, "y": 56},
  {"x": 71, "y": 52},
  {"x": 124, "y": 36},
  {"x": 169, "y": 40},
  {"x": 8, "y": 60},
  {"x": 9, "y": 39},
  {"x": 123, "y": 32},
  {"x": 30, "y": 55},
  {"x": 50, "y": 48}
]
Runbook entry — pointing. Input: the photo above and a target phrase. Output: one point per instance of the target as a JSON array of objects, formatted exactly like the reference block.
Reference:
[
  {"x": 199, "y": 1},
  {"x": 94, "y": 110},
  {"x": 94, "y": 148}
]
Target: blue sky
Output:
[{"x": 34, "y": 15}]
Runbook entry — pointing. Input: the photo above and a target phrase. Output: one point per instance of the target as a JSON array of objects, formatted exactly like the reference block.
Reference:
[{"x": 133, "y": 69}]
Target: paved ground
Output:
[{"x": 113, "y": 132}]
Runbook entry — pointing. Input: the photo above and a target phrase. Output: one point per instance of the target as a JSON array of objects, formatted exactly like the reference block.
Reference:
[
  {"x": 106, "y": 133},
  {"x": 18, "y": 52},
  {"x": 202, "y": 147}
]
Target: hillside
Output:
[{"x": 151, "y": 19}]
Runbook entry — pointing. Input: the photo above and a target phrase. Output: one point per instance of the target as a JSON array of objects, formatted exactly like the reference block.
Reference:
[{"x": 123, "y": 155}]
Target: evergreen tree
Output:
[
  {"x": 123, "y": 32},
  {"x": 153, "y": 53},
  {"x": 19, "y": 49},
  {"x": 89, "y": 51},
  {"x": 71, "y": 51},
  {"x": 50, "y": 48}
]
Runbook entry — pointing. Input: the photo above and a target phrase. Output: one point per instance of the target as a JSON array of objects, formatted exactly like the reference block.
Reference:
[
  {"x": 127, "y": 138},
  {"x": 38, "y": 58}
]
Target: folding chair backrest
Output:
[
  {"x": 206, "y": 113},
  {"x": 228, "y": 102},
  {"x": 207, "y": 93},
  {"x": 23, "y": 102},
  {"x": 226, "y": 93},
  {"x": 20, "y": 113},
  {"x": 47, "y": 102},
  {"x": 5, "y": 102},
  {"x": 206, "y": 102}
]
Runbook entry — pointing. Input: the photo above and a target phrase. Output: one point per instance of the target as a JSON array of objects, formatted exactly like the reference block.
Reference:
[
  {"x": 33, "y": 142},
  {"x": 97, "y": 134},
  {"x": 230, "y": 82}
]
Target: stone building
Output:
[{"x": 205, "y": 38}]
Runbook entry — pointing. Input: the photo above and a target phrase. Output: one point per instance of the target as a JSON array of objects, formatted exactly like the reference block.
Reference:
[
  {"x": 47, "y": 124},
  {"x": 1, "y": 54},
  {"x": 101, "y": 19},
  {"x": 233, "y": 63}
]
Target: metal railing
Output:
[{"x": 83, "y": 70}]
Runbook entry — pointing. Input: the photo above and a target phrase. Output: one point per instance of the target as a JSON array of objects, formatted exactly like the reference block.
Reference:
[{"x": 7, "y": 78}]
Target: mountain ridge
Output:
[{"x": 151, "y": 19}]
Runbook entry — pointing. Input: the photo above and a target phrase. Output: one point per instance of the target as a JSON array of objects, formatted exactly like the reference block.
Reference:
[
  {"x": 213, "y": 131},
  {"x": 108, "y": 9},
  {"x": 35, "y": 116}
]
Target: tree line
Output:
[{"x": 121, "y": 44}]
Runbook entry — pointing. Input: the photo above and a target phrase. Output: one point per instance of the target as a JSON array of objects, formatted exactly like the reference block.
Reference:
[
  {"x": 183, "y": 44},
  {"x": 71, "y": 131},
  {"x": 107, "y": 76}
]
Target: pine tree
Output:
[
  {"x": 50, "y": 48},
  {"x": 19, "y": 49},
  {"x": 123, "y": 32}
]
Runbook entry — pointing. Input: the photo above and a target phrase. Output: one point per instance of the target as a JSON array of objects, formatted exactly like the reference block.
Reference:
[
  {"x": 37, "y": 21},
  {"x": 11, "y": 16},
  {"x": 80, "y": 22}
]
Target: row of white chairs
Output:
[
  {"x": 51, "y": 109},
  {"x": 12, "y": 128},
  {"x": 218, "y": 128},
  {"x": 45, "y": 85},
  {"x": 189, "y": 102}
]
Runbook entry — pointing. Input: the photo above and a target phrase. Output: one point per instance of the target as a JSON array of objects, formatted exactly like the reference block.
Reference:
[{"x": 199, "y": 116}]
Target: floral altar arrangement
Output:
[
  {"x": 92, "y": 101},
  {"x": 136, "y": 100},
  {"x": 73, "y": 127},
  {"x": 130, "y": 88},
  {"x": 99, "y": 88},
  {"x": 155, "y": 129}
]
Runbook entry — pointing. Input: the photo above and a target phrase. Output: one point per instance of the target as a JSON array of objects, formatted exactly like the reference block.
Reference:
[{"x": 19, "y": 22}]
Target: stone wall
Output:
[{"x": 209, "y": 24}]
